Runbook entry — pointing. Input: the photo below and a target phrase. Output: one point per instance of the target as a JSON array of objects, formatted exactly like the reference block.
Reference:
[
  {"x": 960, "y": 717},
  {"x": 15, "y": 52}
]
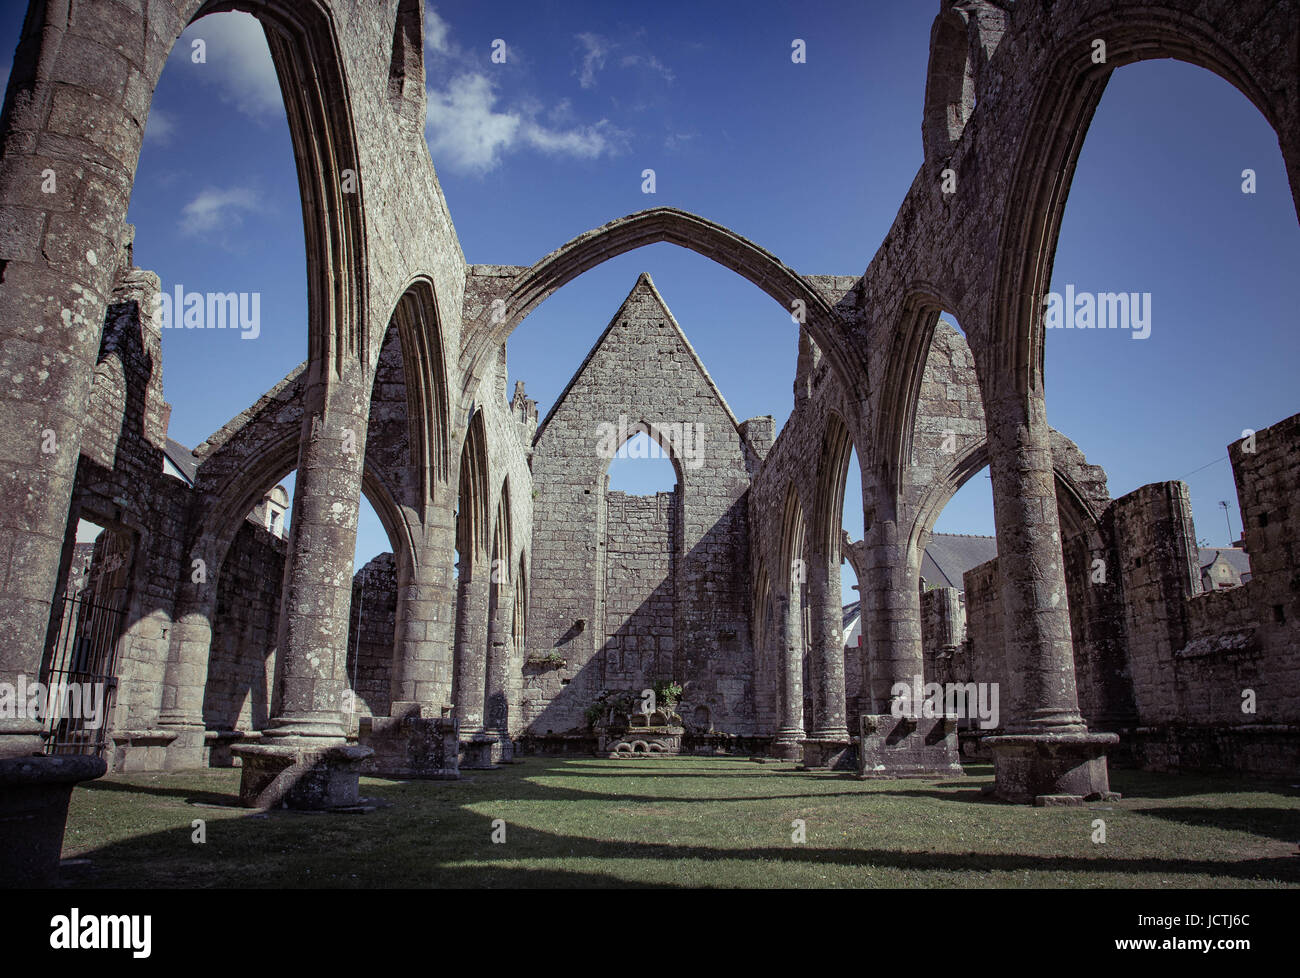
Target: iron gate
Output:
[{"x": 82, "y": 663}]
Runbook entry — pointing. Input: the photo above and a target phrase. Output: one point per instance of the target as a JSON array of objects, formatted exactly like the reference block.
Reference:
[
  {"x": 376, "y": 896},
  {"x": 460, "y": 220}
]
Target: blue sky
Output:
[{"x": 809, "y": 160}]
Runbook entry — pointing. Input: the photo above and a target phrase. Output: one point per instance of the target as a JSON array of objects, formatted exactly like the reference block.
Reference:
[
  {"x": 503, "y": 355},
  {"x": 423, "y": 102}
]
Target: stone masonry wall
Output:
[
  {"x": 642, "y": 370},
  {"x": 241, "y": 663},
  {"x": 370, "y": 647},
  {"x": 639, "y": 582}
]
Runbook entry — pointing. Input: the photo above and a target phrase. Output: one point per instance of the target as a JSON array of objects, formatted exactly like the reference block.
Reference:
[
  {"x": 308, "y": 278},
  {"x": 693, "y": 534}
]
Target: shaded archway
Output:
[
  {"x": 662, "y": 224},
  {"x": 1067, "y": 99}
]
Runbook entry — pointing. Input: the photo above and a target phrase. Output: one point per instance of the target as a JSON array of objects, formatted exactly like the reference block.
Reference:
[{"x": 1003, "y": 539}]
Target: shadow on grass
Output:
[
  {"x": 183, "y": 794},
  {"x": 1136, "y": 783},
  {"x": 1282, "y": 824},
  {"x": 437, "y": 834},
  {"x": 487, "y": 865}
]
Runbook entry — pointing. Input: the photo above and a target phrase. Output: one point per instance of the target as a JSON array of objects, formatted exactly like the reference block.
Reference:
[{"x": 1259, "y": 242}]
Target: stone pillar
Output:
[
  {"x": 891, "y": 615},
  {"x": 305, "y": 732},
  {"x": 1046, "y": 751},
  {"x": 790, "y": 735},
  {"x": 470, "y": 673},
  {"x": 828, "y": 743},
  {"x": 497, "y": 688},
  {"x": 422, "y": 657},
  {"x": 61, "y": 252},
  {"x": 828, "y": 653},
  {"x": 911, "y": 744},
  {"x": 186, "y": 676}
]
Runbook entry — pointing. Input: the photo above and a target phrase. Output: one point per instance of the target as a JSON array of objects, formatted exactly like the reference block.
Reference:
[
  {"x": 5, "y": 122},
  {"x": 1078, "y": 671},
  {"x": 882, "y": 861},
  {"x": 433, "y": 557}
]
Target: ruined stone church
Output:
[{"x": 525, "y": 606}]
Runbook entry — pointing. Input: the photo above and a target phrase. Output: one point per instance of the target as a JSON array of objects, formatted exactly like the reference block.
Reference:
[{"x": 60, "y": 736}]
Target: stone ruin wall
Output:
[
  {"x": 640, "y": 574},
  {"x": 642, "y": 369},
  {"x": 1176, "y": 660},
  {"x": 241, "y": 665}
]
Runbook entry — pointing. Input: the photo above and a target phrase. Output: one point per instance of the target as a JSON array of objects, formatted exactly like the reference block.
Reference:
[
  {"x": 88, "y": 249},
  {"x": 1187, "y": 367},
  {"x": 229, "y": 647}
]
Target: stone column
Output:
[
  {"x": 422, "y": 657},
  {"x": 470, "y": 673},
  {"x": 306, "y": 730},
  {"x": 499, "y": 654},
  {"x": 910, "y": 743},
  {"x": 186, "y": 676},
  {"x": 828, "y": 653},
  {"x": 891, "y": 615},
  {"x": 61, "y": 251},
  {"x": 1046, "y": 749},
  {"x": 789, "y": 736},
  {"x": 469, "y": 687}
]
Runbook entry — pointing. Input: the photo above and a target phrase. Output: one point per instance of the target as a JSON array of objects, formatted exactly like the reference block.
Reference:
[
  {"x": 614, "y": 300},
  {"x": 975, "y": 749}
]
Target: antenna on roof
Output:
[{"x": 1227, "y": 520}]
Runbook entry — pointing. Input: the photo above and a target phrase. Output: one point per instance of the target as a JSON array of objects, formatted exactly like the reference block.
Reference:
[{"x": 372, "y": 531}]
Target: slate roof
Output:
[
  {"x": 950, "y": 555},
  {"x": 183, "y": 459},
  {"x": 1235, "y": 556}
]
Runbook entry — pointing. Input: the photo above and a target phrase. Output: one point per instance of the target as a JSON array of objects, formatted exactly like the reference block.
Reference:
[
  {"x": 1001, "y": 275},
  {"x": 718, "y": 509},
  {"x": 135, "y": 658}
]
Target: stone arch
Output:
[
  {"x": 418, "y": 328},
  {"x": 1078, "y": 505},
  {"x": 1054, "y": 133},
  {"x": 472, "y": 526},
  {"x": 502, "y": 538},
  {"x": 244, "y": 461},
  {"x": 901, "y": 385},
  {"x": 303, "y": 38},
  {"x": 832, "y": 477},
  {"x": 686, "y": 230},
  {"x": 661, "y": 437},
  {"x": 519, "y": 616},
  {"x": 793, "y": 539}
]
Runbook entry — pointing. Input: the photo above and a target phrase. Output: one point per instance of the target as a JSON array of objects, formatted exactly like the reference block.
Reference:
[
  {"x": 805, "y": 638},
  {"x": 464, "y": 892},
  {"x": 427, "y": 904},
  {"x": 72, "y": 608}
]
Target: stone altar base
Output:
[
  {"x": 1051, "y": 769},
  {"x": 829, "y": 754},
  {"x": 411, "y": 746},
  {"x": 910, "y": 746},
  {"x": 34, "y": 794},
  {"x": 308, "y": 778}
]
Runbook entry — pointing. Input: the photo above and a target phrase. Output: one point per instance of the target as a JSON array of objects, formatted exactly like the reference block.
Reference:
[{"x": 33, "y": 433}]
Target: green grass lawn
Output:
[{"x": 684, "y": 822}]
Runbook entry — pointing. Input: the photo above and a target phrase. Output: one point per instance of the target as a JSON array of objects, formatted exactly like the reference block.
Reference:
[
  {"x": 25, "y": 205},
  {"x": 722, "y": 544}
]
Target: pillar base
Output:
[
  {"x": 476, "y": 752},
  {"x": 305, "y": 778},
  {"x": 787, "y": 747},
  {"x": 135, "y": 751},
  {"x": 832, "y": 753},
  {"x": 1057, "y": 767},
  {"x": 188, "y": 748},
  {"x": 411, "y": 746},
  {"x": 34, "y": 796},
  {"x": 908, "y": 746},
  {"x": 503, "y": 751}
]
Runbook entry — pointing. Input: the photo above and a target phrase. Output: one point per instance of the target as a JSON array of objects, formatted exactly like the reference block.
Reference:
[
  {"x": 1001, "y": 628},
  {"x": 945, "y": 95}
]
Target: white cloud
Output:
[
  {"x": 470, "y": 129},
  {"x": 467, "y": 133},
  {"x": 677, "y": 140},
  {"x": 436, "y": 31},
  {"x": 214, "y": 209},
  {"x": 650, "y": 62},
  {"x": 160, "y": 128},
  {"x": 593, "y": 58},
  {"x": 584, "y": 142},
  {"x": 238, "y": 62},
  {"x": 462, "y": 129}
]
